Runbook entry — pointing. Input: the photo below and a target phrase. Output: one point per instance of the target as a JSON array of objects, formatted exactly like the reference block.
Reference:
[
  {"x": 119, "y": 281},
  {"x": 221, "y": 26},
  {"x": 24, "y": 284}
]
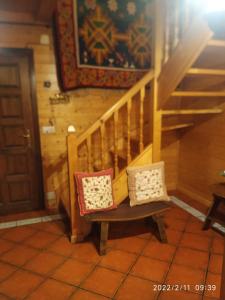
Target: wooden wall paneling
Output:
[
  {"x": 203, "y": 147},
  {"x": 80, "y": 112},
  {"x": 45, "y": 10},
  {"x": 170, "y": 155},
  {"x": 27, "y": 11}
]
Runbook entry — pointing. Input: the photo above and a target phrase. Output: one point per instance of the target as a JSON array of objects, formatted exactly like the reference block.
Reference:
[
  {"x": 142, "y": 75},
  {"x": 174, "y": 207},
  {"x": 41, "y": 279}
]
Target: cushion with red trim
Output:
[{"x": 95, "y": 191}]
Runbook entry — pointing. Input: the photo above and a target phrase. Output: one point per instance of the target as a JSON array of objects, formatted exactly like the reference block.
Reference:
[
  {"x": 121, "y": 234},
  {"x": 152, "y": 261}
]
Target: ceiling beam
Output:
[{"x": 45, "y": 11}]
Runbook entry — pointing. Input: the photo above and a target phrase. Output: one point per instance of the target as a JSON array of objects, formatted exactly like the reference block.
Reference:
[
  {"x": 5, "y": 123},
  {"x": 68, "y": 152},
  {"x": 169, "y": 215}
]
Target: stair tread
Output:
[
  {"x": 192, "y": 111},
  {"x": 202, "y": 71},
  {"x": 216, "y": 43},
  {"x": 198, "y": 94},
  {"x": 177, "y": 126}
]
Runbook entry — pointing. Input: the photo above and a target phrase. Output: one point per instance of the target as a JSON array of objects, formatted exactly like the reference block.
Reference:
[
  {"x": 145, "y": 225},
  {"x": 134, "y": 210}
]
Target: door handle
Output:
[{"x": 27, "y": 136}]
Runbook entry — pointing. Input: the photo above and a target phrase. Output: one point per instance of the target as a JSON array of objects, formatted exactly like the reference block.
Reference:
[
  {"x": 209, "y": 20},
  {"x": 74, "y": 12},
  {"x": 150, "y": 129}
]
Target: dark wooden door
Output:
[{"x": 20, "y": 175}]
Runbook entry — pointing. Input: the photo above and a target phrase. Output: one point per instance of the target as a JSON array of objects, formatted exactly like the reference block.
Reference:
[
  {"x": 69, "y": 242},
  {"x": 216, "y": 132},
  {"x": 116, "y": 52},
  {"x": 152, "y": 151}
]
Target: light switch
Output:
[
  {"x": 48, "y": 129},
  {"x": 44, "y": 39}
]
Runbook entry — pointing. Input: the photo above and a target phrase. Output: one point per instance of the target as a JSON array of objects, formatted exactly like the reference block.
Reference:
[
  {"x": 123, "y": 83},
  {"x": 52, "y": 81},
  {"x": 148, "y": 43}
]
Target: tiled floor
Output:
[{"x": 38, "y": 262}]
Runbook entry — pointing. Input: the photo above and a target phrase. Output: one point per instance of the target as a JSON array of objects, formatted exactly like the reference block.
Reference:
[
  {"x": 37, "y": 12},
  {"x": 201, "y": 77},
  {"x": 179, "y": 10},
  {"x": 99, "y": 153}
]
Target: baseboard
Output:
[
  {"x": 194, "y": 195},
  {"x": 29, "y": 221}
]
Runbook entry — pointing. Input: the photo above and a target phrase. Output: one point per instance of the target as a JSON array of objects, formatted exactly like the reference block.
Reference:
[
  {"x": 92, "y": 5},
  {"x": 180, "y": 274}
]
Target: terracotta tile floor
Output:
[{"x": 39, "y": 262}]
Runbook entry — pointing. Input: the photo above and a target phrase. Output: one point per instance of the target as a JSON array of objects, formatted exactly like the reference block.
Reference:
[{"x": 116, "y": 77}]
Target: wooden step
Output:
[
  {"x": 192, "y": 111},
  {"x": 197, "y": 94},
  {"x": 199, "y": 71},
  {"x": 175, "y": 127},
  {"x": 216, "y": 43}
]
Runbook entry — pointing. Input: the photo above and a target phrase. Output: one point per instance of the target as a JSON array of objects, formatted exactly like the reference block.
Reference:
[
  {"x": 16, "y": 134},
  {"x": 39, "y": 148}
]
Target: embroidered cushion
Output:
[
  {"x": 95, "y": 191},
  {"x": 147, "y": 184}
]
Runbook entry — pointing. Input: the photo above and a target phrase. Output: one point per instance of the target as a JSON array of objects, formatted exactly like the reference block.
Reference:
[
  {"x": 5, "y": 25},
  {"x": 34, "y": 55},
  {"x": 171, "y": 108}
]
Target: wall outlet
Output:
[
  {"x": 48, "y": 129},
  {"x": 50, "y": 196}
]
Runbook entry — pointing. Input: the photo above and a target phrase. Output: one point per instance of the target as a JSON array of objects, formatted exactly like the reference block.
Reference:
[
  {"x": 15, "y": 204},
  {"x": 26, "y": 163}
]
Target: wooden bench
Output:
[{"x": 126, "y": 213}]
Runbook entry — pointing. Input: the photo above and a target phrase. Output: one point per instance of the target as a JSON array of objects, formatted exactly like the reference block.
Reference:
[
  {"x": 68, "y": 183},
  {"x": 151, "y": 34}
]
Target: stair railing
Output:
[
  {"x": 74, "y": 142},
  {"x": 184, "y": 39},
  {"x": 100, "y": 125},
  {"x": 177, "y": 16}
]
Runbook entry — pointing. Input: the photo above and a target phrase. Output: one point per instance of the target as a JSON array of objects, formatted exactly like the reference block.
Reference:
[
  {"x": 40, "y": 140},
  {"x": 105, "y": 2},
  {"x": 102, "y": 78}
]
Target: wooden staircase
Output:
[
  {"x": 116, "y": 140},
  {"x": 130, "y": 132}
]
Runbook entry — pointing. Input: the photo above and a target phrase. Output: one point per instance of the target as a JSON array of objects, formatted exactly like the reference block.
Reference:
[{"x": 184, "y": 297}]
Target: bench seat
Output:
[{"x": 126, "y": 213}]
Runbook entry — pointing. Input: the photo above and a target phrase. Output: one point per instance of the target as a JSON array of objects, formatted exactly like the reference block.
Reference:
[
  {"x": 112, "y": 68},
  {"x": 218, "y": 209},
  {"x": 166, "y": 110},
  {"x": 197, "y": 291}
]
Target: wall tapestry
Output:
[{"x": 103, "y": 43}]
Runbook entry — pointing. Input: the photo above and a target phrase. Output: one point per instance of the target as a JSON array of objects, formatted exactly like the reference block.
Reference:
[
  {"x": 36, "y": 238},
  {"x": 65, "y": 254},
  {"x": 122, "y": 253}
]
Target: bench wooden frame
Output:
[{"x": 126, "y": 213}]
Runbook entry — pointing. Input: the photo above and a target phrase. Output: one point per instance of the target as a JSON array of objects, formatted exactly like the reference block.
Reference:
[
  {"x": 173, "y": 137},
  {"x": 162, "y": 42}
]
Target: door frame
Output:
[{"x": 29, "y": 54}]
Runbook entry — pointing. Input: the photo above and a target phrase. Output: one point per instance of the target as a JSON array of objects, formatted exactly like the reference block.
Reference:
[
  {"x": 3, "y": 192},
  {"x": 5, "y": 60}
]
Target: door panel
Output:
[
  {"x": 11, "y": 106},
  {"x": 20, "y": 176},
  {"x": 9, "y": 75}
]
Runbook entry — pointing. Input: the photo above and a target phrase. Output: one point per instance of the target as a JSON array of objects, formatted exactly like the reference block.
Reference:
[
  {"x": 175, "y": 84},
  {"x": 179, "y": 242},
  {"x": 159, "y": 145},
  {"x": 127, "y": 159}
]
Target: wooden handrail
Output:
[{"x": 131, "y": 93}]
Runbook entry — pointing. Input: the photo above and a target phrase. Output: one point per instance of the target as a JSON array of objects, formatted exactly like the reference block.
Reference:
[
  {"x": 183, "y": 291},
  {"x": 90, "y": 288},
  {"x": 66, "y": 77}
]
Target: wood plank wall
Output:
[
  {"x": 81, "y": 111},
  {"x": 201, "y": 158},
  {"x": 170, "y": 154}
]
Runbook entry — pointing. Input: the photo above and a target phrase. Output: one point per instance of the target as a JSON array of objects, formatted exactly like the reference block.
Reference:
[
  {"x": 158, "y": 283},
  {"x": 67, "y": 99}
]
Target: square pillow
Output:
[
  {"x": 95, "y": 191},
  {"x": 147, "y": 184}
]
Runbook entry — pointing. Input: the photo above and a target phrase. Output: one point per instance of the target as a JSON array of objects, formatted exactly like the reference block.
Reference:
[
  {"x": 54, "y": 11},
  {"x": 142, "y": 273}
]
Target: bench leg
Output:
[
  {"x": 104, "y": 237},
  {"x": 160, "y": 225}
]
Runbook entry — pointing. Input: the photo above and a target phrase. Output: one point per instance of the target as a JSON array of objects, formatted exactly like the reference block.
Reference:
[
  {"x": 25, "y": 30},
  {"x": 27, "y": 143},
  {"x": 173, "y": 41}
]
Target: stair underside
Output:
[
  {"x": 192, "y": 111},
  {"x": 178, "y": 126},
  {"x": 197, "y": 94},
  {"x": 216, "y": 43},
  {"x": 201, "y": 71}
]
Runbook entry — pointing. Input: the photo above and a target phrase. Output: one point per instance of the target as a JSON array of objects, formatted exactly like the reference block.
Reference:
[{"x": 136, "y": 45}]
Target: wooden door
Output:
[{"x": 20, "y": 175}]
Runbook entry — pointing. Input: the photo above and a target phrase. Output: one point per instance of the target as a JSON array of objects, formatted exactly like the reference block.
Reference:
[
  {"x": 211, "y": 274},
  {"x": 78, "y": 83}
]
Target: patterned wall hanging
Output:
[{"x": 103, "y": 43}]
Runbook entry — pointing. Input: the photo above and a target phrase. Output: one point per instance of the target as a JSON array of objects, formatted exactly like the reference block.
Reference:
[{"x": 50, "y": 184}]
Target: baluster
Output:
[
  {"x": 167, "y": 34},
  {"x": 89, "y": 156},
  {"x": 72, "y": 149},
  {"x": 141, "y": 137},
  {"x": 103, "y": 148},
  {"x": 176, "y": 23},
  {"x": 128, "y": 131},
  {"x": 116, "y": 118},
  {"x": 186, "y": 14}
]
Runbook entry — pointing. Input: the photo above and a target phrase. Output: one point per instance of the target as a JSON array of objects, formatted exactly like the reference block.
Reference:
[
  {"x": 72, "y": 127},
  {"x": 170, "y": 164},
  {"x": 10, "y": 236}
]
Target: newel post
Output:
[
  {"x": 79, "y": 228},
  {"x": 72, "y": 159},
  {"x": 158, "y": 57}
]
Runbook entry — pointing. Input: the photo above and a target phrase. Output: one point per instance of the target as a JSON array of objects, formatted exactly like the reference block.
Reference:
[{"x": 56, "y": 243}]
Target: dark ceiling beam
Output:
[{"x": 45, "y": 11}]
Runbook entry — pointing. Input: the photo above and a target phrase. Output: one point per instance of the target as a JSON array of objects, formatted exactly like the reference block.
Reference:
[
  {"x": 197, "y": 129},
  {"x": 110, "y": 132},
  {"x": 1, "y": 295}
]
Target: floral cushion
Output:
[
  {"x": 147, "y": 184},
  {"x": 95, "y": 191}
]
